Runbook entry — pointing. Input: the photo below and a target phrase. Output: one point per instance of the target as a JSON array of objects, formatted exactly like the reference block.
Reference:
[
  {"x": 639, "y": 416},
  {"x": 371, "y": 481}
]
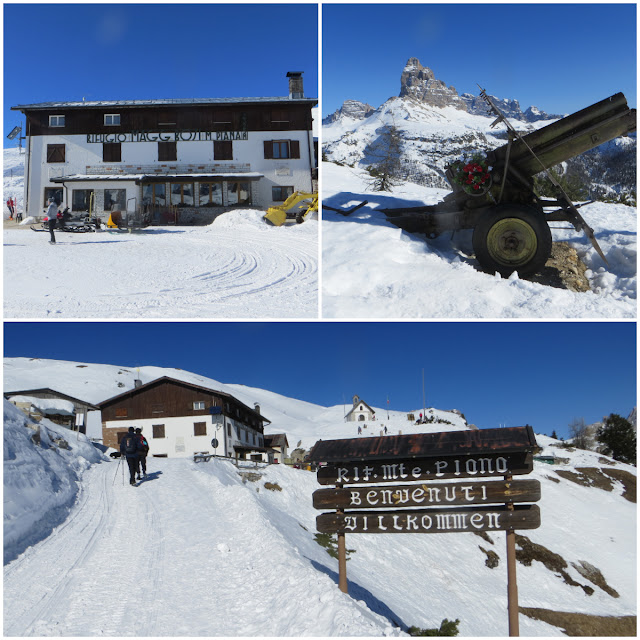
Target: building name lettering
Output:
[{"x": 166, "y": 136}]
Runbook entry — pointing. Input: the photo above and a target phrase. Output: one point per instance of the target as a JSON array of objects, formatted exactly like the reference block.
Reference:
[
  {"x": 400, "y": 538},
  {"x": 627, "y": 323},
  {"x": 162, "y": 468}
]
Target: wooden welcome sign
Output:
[{"x": 482, "y": 497}]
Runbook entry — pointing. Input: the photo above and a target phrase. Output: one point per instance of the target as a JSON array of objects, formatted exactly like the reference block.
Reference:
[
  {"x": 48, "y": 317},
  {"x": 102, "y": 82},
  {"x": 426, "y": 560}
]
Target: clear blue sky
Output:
[
  {"x": 513, "y": 373},
  {"x": 134, "y": 51},
  {"x": 559, "y": 57}
]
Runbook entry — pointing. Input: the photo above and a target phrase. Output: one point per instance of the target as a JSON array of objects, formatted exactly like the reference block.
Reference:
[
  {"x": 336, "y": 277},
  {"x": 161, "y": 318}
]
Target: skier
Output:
[
  {"x": 142, "y": 456},
  {"x": 52, "y": 214},
  {"x": 130, "y": 447}
]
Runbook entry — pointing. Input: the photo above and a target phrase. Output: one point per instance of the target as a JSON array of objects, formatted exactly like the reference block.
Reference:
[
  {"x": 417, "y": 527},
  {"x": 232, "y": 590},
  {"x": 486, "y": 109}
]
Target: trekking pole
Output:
[
  {"x": 116, "y": 473},
  {"x": 122, "y": 475}
]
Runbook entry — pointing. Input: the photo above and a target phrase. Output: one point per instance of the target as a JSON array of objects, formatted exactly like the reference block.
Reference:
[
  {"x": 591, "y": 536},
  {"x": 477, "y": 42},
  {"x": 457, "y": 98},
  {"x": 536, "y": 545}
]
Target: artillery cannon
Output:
[{"x": 495, "y": 196}]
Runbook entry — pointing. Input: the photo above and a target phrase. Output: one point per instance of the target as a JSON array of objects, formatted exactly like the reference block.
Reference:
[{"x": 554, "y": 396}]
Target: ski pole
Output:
[{"x": 116, "y": 473}]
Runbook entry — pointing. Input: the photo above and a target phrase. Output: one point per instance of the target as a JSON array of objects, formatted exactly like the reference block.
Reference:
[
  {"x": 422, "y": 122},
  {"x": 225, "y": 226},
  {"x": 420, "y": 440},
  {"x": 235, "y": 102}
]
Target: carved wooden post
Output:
[
  {"x": 512, "y": 585},
  {"x": 342, "y": 557}
]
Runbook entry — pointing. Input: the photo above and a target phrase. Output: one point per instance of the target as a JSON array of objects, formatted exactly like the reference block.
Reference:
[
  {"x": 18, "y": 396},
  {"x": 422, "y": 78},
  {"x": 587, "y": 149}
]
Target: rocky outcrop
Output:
[
  {"x": 419, "y": 83},
  {"x": 511, "y": 109},
  {"x": 350, "y": 109}
]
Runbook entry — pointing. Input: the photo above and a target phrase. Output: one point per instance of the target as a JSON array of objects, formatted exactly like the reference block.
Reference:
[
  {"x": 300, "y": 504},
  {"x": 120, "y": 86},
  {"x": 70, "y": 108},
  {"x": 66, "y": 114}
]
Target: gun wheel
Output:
[{"x": 512, "y": 238}]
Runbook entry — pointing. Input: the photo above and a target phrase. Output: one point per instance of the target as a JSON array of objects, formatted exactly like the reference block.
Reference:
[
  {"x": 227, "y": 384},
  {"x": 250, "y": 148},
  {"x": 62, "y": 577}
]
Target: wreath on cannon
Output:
[{"x": 472, "y": 174}]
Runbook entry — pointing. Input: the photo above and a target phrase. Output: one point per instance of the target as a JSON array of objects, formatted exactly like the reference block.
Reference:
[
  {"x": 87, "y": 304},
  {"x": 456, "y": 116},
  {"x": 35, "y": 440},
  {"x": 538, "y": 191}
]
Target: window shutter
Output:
[
  {"x": 268, "y": 149},
  {"x": 295, "y": 149}
]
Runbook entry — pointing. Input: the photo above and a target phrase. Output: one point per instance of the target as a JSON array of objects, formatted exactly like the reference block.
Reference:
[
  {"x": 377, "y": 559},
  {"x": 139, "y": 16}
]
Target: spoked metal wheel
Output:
[{"x": 512, "y": 238}]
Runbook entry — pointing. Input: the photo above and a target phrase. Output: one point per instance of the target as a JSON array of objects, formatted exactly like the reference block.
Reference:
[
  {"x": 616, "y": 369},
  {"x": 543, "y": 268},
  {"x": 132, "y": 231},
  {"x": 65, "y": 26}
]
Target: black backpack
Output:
[{"x": 131, "y": 444}]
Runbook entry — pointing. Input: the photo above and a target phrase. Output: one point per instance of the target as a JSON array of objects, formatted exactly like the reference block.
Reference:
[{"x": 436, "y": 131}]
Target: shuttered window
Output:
[
  {"x": 167, "y": 151},
  {"x": 122, "y": 412},
  {"x": 281, "y": 149},
  {"x": 199, "y": 428},
  {"x": 55, "y": 153},
  {"x": 112, "y": 152},
  {"x": 223, "y": 150},
  {"x": 158, "y": 430}
]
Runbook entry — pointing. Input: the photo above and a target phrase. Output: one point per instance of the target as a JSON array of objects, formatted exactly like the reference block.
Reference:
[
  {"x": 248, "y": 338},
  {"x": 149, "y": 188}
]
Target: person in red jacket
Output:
[{"x": 142, "y": 454}]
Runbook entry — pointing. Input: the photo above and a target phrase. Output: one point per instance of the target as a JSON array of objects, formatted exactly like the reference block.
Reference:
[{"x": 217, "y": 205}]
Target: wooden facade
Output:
[
  {"x": 173, "y": 116},
  {"x": 166, "y": 399}
]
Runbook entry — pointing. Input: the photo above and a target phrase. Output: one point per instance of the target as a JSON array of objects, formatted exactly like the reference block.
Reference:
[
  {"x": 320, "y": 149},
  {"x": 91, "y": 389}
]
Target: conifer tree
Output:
[{"x": 619, "y": 439}]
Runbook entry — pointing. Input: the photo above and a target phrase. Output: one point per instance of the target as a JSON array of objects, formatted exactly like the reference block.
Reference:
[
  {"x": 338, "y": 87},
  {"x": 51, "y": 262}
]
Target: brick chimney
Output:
[{"x": 296, "y": 89}]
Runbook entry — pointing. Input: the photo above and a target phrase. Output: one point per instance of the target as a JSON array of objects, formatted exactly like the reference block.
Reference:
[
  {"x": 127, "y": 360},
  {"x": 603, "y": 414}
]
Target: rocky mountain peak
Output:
[
  {"x": 350, "y": 109},
  {"x": 419, "y": 83}
]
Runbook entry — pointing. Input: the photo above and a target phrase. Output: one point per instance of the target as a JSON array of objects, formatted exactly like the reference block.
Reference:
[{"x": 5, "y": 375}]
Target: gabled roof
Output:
[
  {"x": 183, "y": 383},
  {"x": 276, "y": 440},
  {"x": 64, "y": 396},
  {"x": 359, "y": 403}
]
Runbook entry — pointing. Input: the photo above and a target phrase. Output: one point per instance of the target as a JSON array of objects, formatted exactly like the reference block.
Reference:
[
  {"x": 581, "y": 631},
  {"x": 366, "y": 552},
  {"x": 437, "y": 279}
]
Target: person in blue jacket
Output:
[{"x": 131, "y": 448}]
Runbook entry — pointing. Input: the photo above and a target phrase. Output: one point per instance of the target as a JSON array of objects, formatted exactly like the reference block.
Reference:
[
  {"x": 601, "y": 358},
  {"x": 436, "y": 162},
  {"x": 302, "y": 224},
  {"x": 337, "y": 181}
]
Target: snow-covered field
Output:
[
  {"x": 203, "y": 551},
  {"x": 237, "y": 267},
  {"x": 372, "y": 269}
]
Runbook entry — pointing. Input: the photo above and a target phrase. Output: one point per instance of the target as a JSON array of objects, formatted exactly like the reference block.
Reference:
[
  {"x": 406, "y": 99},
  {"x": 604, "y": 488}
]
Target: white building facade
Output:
[{"x": 176, "y": 161}]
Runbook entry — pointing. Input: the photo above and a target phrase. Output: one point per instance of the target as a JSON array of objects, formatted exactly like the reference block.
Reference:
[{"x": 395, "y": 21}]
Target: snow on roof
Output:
[
  {"x": 47, "y": 405},
  {"x": 98, "y": 104}
]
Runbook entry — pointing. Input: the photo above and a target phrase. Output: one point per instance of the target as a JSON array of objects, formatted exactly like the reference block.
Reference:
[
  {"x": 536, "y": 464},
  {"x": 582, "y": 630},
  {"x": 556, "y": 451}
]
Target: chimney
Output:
[
  {"x": 256, "y": 406},
  {"x": 137, "y": 383},
  {"x": 296, "y": 90}
]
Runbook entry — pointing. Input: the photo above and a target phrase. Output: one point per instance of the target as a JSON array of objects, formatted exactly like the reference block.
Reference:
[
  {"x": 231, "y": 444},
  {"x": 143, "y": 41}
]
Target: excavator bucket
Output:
[{"x": 297, "y": 206}]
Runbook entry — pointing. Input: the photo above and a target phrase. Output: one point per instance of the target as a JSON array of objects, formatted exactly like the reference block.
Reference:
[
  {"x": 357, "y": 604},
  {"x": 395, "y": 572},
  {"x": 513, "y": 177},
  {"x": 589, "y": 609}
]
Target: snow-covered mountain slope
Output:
[
  {"x": 372, "y": 269},
  {"x": 209, "y": 550},
  {"x": 12, "y": 179},
  {"x": 435, "y": 126},
  {"x": 303, "y": 422}
]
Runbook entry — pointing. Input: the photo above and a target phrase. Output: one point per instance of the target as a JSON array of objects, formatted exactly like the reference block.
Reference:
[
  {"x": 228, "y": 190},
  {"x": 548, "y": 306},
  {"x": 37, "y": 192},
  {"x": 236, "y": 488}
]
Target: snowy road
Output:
[
  {"x": 190, "y": 549},
  {"x": 238, "y": 267}
]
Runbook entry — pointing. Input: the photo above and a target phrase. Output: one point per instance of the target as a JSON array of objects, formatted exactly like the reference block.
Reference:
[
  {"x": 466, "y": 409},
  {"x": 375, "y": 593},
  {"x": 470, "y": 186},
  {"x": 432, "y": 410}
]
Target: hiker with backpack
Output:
[
  {"x": 142, "y": 456},
  {"x": 131, "y": 447}
]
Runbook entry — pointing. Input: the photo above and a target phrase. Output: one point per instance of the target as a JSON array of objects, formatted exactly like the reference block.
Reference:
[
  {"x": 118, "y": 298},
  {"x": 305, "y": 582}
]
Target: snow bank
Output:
[
  {"x": 372, "y": 269},
  {"x": 40, "y": 481}
]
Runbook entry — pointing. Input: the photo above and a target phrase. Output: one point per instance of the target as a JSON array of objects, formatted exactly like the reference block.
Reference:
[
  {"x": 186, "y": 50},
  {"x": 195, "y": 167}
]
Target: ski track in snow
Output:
[{"x": 183, "y": 273}]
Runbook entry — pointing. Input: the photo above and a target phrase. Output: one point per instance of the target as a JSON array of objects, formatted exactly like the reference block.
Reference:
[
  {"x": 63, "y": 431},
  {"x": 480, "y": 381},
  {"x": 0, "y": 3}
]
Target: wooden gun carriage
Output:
[{"x": 509, "y": 221}]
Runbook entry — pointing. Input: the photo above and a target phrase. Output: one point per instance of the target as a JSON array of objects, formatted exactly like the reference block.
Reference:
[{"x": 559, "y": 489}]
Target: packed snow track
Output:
[
  {"x": 189, "y": 551},
  {"x": 223, "y": 271}
]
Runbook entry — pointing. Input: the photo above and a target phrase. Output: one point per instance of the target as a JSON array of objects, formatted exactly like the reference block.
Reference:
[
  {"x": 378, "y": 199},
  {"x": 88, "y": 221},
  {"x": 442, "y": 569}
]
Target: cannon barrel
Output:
[{"x": 568, "y": 137}]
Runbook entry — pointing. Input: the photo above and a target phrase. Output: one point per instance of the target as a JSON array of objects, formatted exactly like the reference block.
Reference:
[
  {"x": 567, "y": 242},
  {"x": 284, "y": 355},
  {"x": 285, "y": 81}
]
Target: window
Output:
[
  {"x": 281, "y": 149},
  {"x": 222, "y": 116},
  {"x": 56, "y": 121},
  {"x": 55, "y": 153},
  {"x": 223, "y": 150},
  {"x": 158, "y": 431},
  {"x": 112, "y": 119},
  {"x": 52, "y": 192},
  {"x": 154, "y": 195},
  {"x": 122, "y": 412},
  {"x": 157, "y": 408},
  {"x": 112, "y": 152},
  {"x": 228, "y": 429},
  {"x": 182, "y": 194},
  {"x": 167, "y": 151},
  {"x": 199, "y": 428},
  {"x": 238, "y": 432},
  {"x": 115, "y": 199},
  {"x": 280, "y": 194},
  {"x": 198, "y": 406},
  {"x": 82, "y": 200},
  {"x": 279, "y": 116},
  {"x": 238, "y": 193},
  {"x": 210, "y": 194}
]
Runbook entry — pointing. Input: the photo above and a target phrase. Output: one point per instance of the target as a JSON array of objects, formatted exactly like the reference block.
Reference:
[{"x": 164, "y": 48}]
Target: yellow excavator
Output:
[{"x": 296, "y": 207}]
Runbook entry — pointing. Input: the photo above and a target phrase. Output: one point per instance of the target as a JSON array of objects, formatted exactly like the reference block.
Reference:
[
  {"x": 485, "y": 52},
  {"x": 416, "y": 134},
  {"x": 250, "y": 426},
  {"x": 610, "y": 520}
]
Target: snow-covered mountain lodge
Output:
[
  {"x": 179, "y": 419},
  {"x": 175, "y": 160}
]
